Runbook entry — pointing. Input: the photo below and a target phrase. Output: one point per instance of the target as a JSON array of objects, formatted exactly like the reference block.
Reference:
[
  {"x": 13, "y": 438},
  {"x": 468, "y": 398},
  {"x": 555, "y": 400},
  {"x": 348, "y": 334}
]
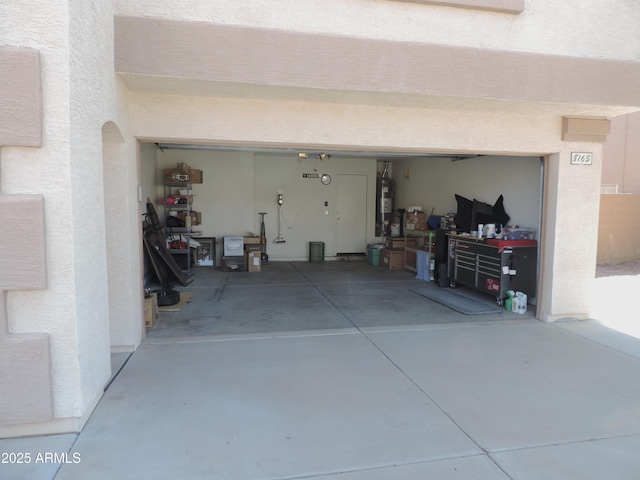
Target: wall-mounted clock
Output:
[{"x": 325, "y": 179}]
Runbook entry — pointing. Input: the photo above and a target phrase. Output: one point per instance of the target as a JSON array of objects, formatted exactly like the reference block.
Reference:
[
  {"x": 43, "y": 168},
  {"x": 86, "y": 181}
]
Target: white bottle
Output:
[
  {"x": 522, "y": 303},
  {"x": 515, "y": 303}
]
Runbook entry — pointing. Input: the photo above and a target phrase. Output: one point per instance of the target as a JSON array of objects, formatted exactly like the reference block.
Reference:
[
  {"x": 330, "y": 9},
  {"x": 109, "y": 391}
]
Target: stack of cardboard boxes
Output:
[
  {"x": 150, "y": 309},
  {"x": 253, "y": 253},
  {"x": 242, "y": 254},
  {"x": 392, "y": 254},
  {"x": 415, "y": 221}
]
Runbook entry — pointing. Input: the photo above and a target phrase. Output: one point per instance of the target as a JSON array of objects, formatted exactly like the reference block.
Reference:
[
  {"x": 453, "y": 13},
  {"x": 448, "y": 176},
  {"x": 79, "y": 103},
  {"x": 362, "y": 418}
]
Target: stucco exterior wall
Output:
[
  {"x": 443, "y": 93},
  {"x": 571, "y": 206},
  {"x": 545, "y": 26},
  {"x": 79, "y": 94}
]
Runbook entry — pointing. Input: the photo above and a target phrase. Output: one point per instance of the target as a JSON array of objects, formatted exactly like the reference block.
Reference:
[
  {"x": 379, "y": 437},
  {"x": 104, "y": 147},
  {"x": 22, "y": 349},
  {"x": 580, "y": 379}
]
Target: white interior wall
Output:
[
  {"x": 226, "y": 196},
  {"x": 434, "y": 182},
  {"x": 304, "y": 215},
  {"x": 237, "y": 185}
]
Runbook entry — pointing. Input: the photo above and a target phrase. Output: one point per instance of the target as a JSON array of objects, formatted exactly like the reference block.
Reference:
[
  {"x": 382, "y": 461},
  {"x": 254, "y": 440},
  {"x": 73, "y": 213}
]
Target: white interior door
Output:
[{"x": 351, "y": 213}]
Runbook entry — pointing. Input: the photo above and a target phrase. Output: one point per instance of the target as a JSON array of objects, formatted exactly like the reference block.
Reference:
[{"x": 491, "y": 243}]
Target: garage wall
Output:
[
  {"x": 304, "y": 217},
  {"x": 238, "y": 185},
  {"x": 226, "y": 195},
  {"x": 434, "y": 182}
]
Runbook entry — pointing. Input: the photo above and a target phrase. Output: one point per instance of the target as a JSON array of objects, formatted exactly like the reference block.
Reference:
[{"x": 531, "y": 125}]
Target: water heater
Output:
[{"x": 385, "y": 190}]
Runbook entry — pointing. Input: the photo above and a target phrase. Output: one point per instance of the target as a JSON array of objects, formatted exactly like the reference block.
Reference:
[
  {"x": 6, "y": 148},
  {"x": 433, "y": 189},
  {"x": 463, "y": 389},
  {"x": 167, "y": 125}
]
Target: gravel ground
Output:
[
  {"x": 627, "y": 268},
  {"x": 616, "y": 288}
]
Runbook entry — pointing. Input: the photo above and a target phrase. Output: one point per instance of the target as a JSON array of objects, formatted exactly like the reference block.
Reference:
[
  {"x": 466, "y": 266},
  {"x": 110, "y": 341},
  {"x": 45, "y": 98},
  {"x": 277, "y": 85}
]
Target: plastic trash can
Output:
[
  {"x": 316, "y": 251},
  {"x": 373, "y": 256}
]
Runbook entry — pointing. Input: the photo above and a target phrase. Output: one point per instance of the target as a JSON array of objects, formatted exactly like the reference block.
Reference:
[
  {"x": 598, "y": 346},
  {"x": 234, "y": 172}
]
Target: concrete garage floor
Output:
[{"x": 337, "y": 371}]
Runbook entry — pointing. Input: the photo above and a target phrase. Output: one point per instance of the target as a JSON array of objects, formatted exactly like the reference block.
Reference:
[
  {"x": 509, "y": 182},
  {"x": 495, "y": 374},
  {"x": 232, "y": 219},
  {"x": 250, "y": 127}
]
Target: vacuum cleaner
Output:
[
  {"x": 264, "y": 258},
  {"x": 279, "y": 238}
]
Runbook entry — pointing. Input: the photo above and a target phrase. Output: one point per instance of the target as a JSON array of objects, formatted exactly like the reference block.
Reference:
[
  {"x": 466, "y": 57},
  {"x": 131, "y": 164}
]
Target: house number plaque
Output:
[{"x": 581, "y": 158}]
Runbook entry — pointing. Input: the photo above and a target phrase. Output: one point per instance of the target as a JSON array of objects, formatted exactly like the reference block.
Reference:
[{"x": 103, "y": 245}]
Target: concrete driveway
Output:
[{"x": 487, "y": 398}]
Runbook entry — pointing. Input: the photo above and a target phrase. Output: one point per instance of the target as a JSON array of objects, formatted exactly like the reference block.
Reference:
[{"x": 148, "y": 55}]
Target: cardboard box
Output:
[
  {"x": 415, "y": 218},
  {"x": 392, "y": 259},
  {"x": 196, "y": 217},
  {"x": 252, "y": 240},
  {"x": 253, "y": 259},
  {"x": 394, "y": 242},
  {"x": 174, "y": 175},
  {"x": 416, "y": 226},
  {"x": 410, "y": 259},
  {"x": 233, "y": 264},
  {"x": 151, "y": 310},
  {"x": 400, "y": 242},
  {"x": 233, "y": 247}
]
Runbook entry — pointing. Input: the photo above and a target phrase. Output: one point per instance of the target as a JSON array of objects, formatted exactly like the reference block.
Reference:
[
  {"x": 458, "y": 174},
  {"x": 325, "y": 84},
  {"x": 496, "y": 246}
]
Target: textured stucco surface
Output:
[
  {"x": 571, "y": 201},
  {"x": 545, "y": 26},
  {"x": 25, "y": 390},
  {"x": 228, "y": 54},
  {"x": 390, "y": 88},
  {"x": 25, "y": 361},
  {"x": 79, "y": 95},
  {"x": 509, "y": 6},
  {"x": 27, "y": 355},
  {"x": 23, "y": 253},
  {"x": 20, "y": 97}
]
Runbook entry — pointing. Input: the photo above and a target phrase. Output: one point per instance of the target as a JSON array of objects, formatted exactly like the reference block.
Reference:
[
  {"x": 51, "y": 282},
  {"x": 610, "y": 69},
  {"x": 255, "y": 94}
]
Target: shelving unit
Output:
[
  {"x": 421, "y": 240},
  {"x": 182, "y": 208}
]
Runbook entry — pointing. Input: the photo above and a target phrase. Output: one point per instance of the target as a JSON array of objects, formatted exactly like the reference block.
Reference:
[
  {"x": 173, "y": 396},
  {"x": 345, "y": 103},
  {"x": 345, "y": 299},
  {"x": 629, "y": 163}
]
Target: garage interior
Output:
[{"x": 328, "y": 199}]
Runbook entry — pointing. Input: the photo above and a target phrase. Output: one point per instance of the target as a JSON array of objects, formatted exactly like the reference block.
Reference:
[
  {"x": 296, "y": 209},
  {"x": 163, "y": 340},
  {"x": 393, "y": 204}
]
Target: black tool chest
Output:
[{"x": 494, "y": 269}]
